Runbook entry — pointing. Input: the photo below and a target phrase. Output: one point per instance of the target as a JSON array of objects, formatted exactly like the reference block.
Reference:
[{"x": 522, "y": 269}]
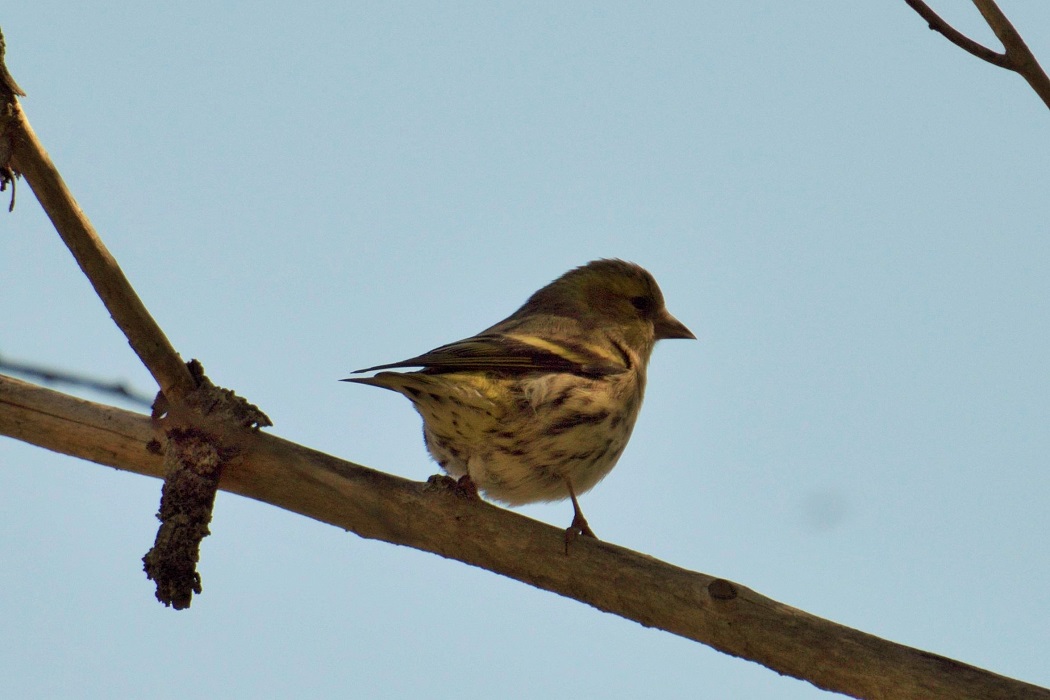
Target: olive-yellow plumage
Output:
[{"x": 540, "y": 406}]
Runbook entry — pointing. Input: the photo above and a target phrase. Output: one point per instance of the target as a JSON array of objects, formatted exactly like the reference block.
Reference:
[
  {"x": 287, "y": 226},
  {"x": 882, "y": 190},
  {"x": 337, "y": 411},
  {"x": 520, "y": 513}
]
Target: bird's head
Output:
[{"x": 611, "y": 295}]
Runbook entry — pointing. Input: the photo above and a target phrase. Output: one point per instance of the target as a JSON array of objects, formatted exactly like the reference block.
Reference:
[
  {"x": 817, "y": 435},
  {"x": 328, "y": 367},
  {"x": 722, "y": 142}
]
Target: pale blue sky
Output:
[{"x": 850, "y": 213}]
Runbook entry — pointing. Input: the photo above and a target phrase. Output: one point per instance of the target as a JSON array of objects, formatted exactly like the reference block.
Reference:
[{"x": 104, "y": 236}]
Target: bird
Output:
[{"x": 540, "y": 406}]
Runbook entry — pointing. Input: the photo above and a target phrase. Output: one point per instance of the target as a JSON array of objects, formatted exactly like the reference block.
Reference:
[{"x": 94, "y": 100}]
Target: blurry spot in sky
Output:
[{"x": 824, "y": 510}]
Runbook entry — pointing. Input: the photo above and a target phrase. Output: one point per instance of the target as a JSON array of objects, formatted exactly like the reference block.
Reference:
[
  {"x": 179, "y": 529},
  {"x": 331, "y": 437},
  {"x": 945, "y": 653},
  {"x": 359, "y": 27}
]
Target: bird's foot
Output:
[
  {"x": 578, "y": 528},
  {"x": 466, "y": 487},
  {"x": 463, "y": 486}
]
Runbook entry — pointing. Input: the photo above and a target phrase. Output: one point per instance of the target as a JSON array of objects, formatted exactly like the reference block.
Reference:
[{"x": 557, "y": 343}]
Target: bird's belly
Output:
[{"x": 528, "y": 459}]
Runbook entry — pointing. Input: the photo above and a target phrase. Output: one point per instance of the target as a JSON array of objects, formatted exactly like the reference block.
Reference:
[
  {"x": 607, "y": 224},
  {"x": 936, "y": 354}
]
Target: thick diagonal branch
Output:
[
  {"x": 432, "y": 518},
  {"x": 143, "y": 333}
]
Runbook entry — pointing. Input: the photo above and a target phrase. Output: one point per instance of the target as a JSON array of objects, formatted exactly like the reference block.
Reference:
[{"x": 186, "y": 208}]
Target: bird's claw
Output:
[
  {"x": 578, "y": 528},
  {"x": 466, "y": 487}
]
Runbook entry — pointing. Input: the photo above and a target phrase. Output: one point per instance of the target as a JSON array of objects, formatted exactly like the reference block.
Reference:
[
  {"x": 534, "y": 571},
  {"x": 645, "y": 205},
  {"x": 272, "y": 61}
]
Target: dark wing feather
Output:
[{"x": 500, "y": 353}]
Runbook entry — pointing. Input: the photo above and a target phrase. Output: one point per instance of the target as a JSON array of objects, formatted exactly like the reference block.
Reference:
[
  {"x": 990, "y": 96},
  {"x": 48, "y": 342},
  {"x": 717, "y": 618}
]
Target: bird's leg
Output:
[{"x": 579, "y": 526}]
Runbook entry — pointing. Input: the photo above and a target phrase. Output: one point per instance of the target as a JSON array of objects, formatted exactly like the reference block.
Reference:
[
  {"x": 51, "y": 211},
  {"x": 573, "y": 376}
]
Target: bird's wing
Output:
[{"x": 516, "y": 353}]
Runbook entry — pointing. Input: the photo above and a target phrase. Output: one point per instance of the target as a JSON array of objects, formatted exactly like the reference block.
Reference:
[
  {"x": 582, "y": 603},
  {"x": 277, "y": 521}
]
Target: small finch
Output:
[{"x": 540, "y": 406}]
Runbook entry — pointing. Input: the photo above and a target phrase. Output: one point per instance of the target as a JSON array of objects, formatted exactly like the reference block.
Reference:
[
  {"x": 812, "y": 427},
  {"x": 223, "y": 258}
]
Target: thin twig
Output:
[
  {"x": 433, "y": 518},
  {"x": 54, "y": 376},
  {"x": 953, "y": 35},
  {"x": 6, "y": 81},
  {"x": 9, "y": 92}
]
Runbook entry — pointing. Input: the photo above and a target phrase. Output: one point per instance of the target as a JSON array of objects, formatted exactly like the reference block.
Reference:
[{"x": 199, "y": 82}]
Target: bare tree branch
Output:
[
  {"x": 431, "y": 517},
  {"x": 1017, "y": 56}
]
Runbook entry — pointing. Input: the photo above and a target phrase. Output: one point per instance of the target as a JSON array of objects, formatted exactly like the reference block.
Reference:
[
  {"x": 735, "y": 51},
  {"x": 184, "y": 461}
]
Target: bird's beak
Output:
[{"x": 667, "y": 326}]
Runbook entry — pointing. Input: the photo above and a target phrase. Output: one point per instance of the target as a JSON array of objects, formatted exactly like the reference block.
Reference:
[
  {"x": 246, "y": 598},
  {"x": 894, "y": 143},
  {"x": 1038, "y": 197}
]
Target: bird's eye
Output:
[{"x": 643, "y": 304}]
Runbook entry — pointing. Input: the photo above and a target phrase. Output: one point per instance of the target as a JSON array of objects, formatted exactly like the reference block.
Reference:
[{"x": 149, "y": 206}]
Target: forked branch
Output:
[
  {"x": 1016, "y": 55},
  {"x": 201, "y": 419}
]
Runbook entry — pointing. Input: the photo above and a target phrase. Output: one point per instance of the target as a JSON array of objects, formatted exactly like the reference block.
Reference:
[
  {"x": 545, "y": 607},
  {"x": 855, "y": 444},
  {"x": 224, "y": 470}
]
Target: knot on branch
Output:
[
  {"x": 219, "y": 407},
  {"x": 200, "y": 443},
  {"x": 8, "y": 115},
  {"x": 8, "y": 118},
  {"x": 194, "y": 463}
]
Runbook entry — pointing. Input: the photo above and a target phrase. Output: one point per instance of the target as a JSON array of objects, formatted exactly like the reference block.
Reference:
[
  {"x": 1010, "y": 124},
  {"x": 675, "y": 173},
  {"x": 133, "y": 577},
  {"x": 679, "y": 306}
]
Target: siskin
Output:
[{"x": 540, "y": 406}]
